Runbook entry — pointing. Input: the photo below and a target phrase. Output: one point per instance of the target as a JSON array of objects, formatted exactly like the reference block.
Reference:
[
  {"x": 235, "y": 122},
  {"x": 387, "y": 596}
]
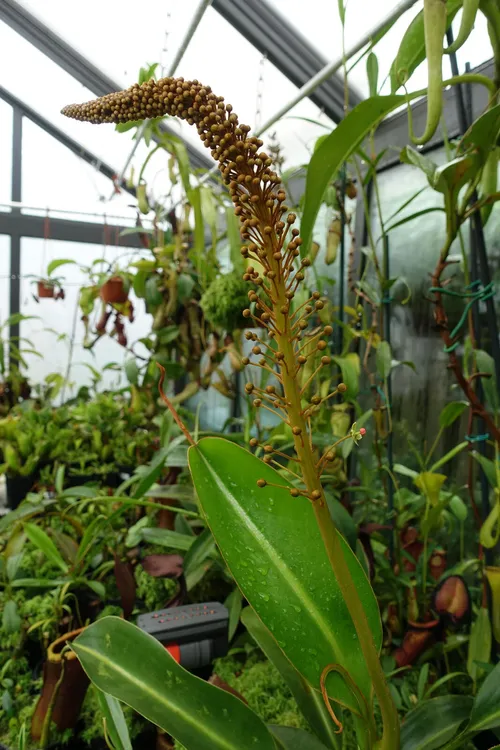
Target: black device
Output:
[{"x": 194, "y": 634}]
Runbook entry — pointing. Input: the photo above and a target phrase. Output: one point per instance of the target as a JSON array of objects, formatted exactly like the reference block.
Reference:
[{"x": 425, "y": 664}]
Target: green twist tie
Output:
[{"x": 477, "y": 438}]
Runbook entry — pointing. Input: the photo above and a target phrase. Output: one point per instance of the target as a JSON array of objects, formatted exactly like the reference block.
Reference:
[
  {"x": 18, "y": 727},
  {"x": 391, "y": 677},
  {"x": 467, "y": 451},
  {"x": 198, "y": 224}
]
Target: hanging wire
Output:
[
  {"x": 164, "y": 49},
  {"x": 46, "y": 232},
  {"x": 260, "y": 91}
]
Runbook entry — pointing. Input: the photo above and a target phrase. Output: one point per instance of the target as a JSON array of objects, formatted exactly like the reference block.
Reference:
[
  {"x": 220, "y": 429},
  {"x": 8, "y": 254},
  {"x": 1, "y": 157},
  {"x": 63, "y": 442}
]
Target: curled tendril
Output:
[
  {"x": 171, "y": 407},
  {"x": 363, "y": 706}
]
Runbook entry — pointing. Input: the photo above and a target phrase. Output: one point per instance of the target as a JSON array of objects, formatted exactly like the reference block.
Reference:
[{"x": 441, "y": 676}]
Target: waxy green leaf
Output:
[
  {"x": 308, "y": 700},
  {"x": 274, "y": 550},
  {"x": 135, "y": 668},
  {"x": 433, "y": 723}
]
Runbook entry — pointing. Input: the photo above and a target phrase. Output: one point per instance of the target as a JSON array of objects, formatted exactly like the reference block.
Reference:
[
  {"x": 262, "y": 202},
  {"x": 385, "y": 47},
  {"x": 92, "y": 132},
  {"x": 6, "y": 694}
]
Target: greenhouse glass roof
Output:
[{"x": 116, "y": 39}]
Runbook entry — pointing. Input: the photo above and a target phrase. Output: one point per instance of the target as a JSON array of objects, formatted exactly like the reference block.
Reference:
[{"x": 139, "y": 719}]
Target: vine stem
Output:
[{"x": 329, "y": 533}]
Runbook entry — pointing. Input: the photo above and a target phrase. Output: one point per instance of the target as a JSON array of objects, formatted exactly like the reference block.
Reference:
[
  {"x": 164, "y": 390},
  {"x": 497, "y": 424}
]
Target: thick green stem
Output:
[{"x": 330, "y": 536}]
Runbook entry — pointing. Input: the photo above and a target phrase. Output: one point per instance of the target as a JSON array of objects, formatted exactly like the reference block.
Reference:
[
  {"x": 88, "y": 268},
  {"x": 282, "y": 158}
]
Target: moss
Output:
[
  {"x": 154, "y": 592},
  {"x": 224, "y": 301},
  {"x": 91, "y": 717},
  {"x": 263, "y": 687}
]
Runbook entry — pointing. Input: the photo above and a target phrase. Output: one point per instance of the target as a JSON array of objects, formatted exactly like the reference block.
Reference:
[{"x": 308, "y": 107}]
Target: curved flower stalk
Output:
[{"x": 272, "y": 250}]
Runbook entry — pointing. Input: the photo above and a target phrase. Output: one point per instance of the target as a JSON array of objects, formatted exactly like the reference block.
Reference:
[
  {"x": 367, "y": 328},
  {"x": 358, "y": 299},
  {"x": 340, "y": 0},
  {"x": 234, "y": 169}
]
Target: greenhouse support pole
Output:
[
  {"x": 464, "y": 111},
  {"x": 386, "y": 302},
  {"x": 15, "y": 237},
  {"x": 195, "y": 22}
]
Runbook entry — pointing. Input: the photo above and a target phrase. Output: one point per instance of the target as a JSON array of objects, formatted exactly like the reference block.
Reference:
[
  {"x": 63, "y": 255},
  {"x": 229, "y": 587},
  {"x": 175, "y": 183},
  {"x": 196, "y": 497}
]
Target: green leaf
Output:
[
  {"x": 89, "y": 538},
  {"x": 350, "y": 368},
  {"x": 433, "y": 723},
  {"x": 482, "y": 135},
  {"x": 40, "y": 539},
  {"x": 261, "y": 536},
  {"x": 96, "y": 586},
  {"x": 384, "y": 360},
  {"x": 116, "y": 726},
  {"x": 335, "y": 150},
  {"x": 309, "y": 701},
  {"x": 411, "y": 156},
  {"x": 342, "y": 520},
  {"x": 485, "y": 363},
  {"x": 488, "y": 466},
  {"x": 167, "y": 538},
  {"x": 135, "y": 668},
  {"x": 38, "y": 583},
  {"x": 296, "y": 739},
  {"x": 201, "y": 547},
  {"x": 458, "y": 508},
  {"x": 185, "y": 286},
  {"x": 448, "y": 456},
  {"x": 152, "y": 294},
  {"x": 412, "y": 48},
  {"x": 234, "y": 239},
  {"x": 59, "y": 480},
  {"x": 83, "y": 491},
  {"x": 199, "y": 228},
  {"x": 443, "y": 680},
  {"x": 57, "y": 264},
  {"x": 452, "y": 412},
  {"x": 233, "y": 604},
  {"x": 405, "y": 471},
  {"x": 372, "y": 73},
  {"x": 341, "y": 7},
  {"x": 486, "y": 709},
  {"x": 25, "y": 510},
  {"x": 422, "y": 681},
  {"x": 154, "y": 469},
  {"x": 131, "y": 371},
  {"x": 181, "y": 154},
  {"x": 139, "y": 283},
  {"x": 11, "y": 621},
  {"x": 479, "y": 643}
]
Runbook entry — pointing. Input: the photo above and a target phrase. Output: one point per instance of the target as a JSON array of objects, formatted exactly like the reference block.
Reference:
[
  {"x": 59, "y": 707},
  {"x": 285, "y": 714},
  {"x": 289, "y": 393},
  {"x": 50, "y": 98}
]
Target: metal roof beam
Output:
[
  {"x": 54, "y": 47},
  {"x": 274, "y": 36},
  {"x": 64, "y": 230}
]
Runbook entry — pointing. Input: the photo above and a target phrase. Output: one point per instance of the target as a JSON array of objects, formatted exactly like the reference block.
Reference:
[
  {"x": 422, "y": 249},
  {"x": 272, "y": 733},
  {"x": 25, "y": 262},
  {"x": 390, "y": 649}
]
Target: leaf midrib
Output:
[
  {"x": 200, "y": 727},
  {"x": 279, "y": 563}
]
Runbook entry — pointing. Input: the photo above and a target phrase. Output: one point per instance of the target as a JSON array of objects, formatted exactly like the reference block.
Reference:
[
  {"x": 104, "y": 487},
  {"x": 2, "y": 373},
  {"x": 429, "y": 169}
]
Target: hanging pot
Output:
[
  {"x": 71, "y": 691},
  {"x": 45, "y": 289},
  {"x": 114, "y": 291}
]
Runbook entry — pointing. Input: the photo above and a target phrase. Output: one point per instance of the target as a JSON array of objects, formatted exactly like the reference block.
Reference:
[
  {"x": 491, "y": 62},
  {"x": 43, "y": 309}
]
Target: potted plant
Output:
[
  {"x": 114, "y": 290},
  {"x": 50, "y": 286}
]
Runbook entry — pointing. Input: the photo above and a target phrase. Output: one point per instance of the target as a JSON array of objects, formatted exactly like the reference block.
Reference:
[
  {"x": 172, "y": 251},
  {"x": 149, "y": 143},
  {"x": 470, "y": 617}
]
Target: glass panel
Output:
[
  {"x": 5, "y": 153},
  {"x": 55, "y": 178},
  {"x": 58, "y": 320},
  {"x": 119, "y": 38},
  {"x": 319, "y": 23},
  {"x": 418, "y": 396},
  {"x": 28, "y": 80}
]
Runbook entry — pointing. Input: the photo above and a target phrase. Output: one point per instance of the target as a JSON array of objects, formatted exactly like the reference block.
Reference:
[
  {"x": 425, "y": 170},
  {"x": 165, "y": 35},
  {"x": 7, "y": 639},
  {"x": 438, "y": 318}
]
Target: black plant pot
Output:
[
  {"x": 485, "y": 740},
  {"x": 112, "y": 480},
  {"x": 18, "y": 488}
]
